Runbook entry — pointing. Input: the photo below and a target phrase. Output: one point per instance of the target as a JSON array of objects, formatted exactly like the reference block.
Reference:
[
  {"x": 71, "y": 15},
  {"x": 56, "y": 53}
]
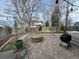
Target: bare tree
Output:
[{"x": 24, "y": 10}]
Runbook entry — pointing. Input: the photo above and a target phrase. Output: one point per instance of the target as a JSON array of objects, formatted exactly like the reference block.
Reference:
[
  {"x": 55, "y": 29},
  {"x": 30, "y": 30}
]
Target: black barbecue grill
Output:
[{"x": 66, "y": 38}]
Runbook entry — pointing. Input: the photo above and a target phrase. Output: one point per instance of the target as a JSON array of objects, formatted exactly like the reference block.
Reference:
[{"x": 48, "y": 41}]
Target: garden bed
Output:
[{"x": 36, "y": 38}]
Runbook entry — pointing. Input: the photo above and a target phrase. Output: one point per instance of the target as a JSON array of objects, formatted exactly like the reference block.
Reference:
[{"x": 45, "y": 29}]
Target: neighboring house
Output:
[
  {"x": 39, "y": 23},
  {"x": 4, "y": 30},
  {"x": 1, "y": 30},
  {"x": 36, "y": 23},
  {"x": 18, "y": 29},
  {"x": 76, "y": 26}
]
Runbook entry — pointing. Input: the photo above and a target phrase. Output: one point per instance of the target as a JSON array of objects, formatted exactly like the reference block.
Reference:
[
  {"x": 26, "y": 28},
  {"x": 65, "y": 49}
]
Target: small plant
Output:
[
  {"x": 19, "y": 44},
  {"x": 47, "y": 23},
  {"x": 40, "y": 28},
  {"x": 62, "y": 27}
]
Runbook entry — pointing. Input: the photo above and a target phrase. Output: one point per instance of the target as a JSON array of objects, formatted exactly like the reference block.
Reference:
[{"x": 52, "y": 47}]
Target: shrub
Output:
[{"x": 62, "y": 27}]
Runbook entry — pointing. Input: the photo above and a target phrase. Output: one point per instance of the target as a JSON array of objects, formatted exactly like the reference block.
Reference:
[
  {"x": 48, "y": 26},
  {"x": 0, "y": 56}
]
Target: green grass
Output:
[
  {"x": 9, "y": 46},
  {"x": 45, "y": 29}
]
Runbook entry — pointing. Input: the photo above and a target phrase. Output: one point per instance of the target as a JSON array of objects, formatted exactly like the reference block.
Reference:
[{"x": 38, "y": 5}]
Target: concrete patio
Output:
[{"x": 48, "y": 49}]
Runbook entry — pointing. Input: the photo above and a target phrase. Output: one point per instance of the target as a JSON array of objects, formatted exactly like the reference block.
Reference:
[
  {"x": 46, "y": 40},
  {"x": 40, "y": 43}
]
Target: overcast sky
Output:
[{"x": 4, "y": 4}]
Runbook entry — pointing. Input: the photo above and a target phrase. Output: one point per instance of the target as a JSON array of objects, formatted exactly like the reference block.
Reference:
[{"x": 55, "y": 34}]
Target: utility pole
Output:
[
  {"x": 67, "y": 14},
  {"x": 57, "y": 14}
]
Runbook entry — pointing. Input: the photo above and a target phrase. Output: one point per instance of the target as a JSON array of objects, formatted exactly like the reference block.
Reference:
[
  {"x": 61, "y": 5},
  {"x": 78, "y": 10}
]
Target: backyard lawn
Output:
[{"x": 9, "y": 46}]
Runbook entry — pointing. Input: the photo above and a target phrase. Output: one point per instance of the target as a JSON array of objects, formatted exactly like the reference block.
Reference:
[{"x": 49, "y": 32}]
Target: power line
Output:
[{"x": 71, "y": 3}]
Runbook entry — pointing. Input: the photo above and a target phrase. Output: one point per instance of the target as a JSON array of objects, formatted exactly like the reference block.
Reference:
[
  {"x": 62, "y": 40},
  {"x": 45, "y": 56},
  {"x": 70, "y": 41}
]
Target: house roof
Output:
[{"x": 2, "y": 26}]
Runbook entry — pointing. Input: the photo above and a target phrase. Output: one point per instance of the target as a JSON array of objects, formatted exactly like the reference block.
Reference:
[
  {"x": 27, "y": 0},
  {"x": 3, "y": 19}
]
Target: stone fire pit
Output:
[{"x": 36, "y": 38}]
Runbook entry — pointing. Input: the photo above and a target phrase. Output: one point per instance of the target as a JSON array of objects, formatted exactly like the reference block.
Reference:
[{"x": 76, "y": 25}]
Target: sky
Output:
[
  {"x": 45, "y": 4},
  {"x": 74, "y": 15},
  {"x": 4, "y": 5}
]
